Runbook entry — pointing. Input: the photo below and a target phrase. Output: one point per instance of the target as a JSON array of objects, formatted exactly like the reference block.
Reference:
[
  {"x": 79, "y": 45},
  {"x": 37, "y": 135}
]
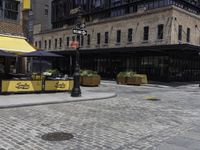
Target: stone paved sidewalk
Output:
[
  {"x": 125, "y": 122},
  {"x": 20, "y": 100}
]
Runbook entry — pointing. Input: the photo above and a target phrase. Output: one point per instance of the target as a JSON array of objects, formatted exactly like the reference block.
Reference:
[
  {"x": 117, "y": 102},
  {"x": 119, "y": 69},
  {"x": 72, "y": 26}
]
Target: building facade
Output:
[
  {"x": 41, "y": 15},
  {"x": 10, "y": 21},
  {"x": 158, "y": 37},
  {"x": 38, "y": 18},
  {"x": 11, "y": 31}
]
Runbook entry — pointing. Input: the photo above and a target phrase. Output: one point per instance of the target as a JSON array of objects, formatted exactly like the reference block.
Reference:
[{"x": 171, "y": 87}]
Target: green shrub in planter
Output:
[
  {"x": 51, "y": 72},
  {"x": 137, "y": 79},
  {"x": 143, "y": 77},
  {"x": 88, "y": 73},
  {"x": 123, "y": 76},
  {"x": 89, "y": 78}
]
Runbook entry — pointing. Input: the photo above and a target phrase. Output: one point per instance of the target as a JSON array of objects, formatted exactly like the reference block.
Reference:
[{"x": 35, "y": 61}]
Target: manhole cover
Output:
[
  {"x": 57, "y": 136},
  {"x": 151, "y": 98}
]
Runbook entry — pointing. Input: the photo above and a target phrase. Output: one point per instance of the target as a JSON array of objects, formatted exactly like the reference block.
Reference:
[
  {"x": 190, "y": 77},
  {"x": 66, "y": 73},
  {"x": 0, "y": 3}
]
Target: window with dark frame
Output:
[
  {"x": 98, "y": 38},
  {"x": 40, "y": 44},
  {"x": 188, "y": 35},
  {"x": 1, "y": 3},
  {"x": 1, "y": 9},
  {"x": 106, "y": 38},
  {"x": 130, "y": 35},
  {"x": 146, "y": 33},
  {"x": 60, "y": 42},
  {"x": 160, "y": 31},
  {"x": 49, "y": 44},
  {"x": 45, "y": 44},
  {"x": 11, "y": 10},
  {"x": 88, "y": 39},
  {"x": 67, "y": 41},
  {"x": 118, "y": 36},
  {"x": 36, "y": 44},
  {"x": 46, "y": 10},
  {"x": 56, "y": 43},
  {"x": 180, "y": 30}
]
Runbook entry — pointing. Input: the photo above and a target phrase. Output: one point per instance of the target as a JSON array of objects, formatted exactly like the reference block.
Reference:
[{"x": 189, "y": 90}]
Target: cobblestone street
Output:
[{"x": 127, "y": 122}]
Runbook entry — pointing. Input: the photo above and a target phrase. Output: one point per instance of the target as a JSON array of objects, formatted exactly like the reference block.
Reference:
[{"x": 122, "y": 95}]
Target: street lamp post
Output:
[{"x": 76, "y": 91}]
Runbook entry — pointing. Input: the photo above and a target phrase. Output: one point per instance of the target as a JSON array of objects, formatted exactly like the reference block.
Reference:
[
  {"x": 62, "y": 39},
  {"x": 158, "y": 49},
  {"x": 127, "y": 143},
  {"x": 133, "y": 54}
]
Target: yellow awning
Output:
[{"x": 15, "y": 44}]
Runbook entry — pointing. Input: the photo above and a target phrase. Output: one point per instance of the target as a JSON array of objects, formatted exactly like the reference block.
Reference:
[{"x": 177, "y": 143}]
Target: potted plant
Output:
[
  {"x": 131, "y": 78},
  {"x": 123, "y": 77},
  {"x": 137, "y": 79},
  {"x": 89, "y": 78}
]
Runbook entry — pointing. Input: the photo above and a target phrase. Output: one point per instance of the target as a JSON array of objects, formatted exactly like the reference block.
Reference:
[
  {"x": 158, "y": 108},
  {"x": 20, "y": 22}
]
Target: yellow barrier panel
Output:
[
  {"x": 26, "y": 4},
  {"x": 71, "y": 84},
  {"x": 58, "y": 85},
  {"x": 19, "y": 86}
]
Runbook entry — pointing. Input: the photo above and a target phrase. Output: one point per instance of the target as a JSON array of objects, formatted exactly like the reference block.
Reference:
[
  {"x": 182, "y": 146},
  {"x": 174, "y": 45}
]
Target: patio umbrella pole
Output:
[
  {"x": 40, "y": 65},
  {"x": 17, "y": 64}
]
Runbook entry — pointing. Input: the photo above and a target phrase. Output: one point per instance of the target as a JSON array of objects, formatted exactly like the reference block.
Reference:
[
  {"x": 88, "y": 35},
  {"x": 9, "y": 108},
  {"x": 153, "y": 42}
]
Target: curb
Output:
[
  {"x": 143, "y": 85},
  {"x": 58, "y": 102}
]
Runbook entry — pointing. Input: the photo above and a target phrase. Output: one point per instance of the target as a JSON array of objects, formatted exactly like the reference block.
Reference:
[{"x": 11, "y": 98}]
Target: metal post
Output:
[
  {"x": 198, "y": 62},
  {"x": 76, "y": 91}
]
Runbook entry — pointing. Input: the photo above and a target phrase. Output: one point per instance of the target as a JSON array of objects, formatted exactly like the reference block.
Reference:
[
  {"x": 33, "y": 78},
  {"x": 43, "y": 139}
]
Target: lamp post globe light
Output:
[{"x": 79, "y": 30}]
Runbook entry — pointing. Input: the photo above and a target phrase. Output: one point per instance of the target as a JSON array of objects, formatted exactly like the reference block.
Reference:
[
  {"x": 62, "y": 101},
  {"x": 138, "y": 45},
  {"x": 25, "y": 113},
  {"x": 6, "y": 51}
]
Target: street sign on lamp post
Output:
[{"x": 80, "y": 32}]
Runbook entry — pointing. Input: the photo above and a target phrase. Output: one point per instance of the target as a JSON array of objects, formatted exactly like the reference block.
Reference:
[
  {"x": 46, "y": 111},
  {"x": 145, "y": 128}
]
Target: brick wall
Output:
[{"x": 10, "y": 28}]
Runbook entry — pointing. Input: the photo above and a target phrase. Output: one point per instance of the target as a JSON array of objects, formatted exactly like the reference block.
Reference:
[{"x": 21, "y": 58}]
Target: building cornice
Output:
[{"x": 186, "y": 12}]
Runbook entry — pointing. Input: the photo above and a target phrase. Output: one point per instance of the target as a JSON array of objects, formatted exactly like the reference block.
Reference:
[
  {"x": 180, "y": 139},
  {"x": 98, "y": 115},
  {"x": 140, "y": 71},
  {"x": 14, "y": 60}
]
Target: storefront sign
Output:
[
  {"x": 21, "y": 86},
  {"x": 58, "y": 85}
]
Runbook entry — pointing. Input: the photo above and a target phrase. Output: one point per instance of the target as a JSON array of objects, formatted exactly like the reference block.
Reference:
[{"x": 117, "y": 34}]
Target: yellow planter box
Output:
[
  {"x": 144, "y": 78},
  {"x": 91, "y": 81},
  {"x": 21, "y": 86},
  {"x": 58, "y": 85},
  {"x": 137, "y": 79},
  {"x": 134, "y": 81}
]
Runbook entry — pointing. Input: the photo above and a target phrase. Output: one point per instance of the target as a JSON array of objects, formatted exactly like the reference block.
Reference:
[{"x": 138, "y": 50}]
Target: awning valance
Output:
[{"x": 15, "y": 44}]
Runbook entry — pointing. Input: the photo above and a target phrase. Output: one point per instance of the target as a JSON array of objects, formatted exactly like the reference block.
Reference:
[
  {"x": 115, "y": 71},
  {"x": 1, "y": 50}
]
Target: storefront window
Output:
[
  {"x": 98, "y": 3},
  {"x": 11, "y": 10}
]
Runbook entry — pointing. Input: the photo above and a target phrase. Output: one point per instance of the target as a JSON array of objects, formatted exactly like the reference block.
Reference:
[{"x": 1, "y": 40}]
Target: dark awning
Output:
[
  {"x": 6, "y": 54},
  {"x": 41, "y": 53},
  {"x": 156, "y": 48}
]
